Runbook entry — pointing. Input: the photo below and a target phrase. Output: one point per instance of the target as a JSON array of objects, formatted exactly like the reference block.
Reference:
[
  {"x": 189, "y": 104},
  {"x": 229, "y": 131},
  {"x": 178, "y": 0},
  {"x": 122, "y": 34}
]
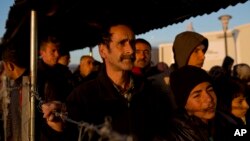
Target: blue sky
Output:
[
  {"x": 205, "y": 23},
  {"x": 4, "y": 11}
]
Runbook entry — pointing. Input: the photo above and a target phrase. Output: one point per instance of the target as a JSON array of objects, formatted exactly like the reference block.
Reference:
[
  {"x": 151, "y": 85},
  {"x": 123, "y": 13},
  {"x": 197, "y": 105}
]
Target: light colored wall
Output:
[{"x": 238, "y": 41}]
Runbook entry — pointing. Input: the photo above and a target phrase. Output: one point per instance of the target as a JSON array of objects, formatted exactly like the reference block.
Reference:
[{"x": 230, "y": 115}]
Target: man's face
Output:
[
  {"x": 120, "y": 55},
  {"x": 197, "y": 57},
  {"x": 142, "y": 55},
  {"x": 86, "y": 66},
  {"x": 202, "y": 102},
  {"x": 239, "y": 106},
  {"x": 50, "y": 54}
]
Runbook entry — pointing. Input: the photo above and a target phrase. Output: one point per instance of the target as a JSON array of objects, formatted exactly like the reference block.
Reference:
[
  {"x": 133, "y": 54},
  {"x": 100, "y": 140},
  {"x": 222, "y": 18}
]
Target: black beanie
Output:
[
  {"x": 184, "y": 44},
  {"x": 184, "y": 79}
]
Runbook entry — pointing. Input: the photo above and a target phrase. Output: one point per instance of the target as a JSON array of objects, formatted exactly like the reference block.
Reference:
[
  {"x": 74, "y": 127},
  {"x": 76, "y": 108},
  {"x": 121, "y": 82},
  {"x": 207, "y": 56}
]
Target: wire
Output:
[{"x": 104, "y": 130}]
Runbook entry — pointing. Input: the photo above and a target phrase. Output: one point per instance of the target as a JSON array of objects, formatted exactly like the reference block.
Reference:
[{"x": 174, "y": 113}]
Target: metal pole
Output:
[
  {"x": 33, "y": 67},
  {"x": 224, "y": 21},
  {"x": 225, "y": 36},
  {"x": 235, "y": 36}
]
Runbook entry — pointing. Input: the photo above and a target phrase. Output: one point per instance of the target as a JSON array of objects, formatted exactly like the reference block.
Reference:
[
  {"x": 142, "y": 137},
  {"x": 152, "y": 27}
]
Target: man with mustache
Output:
[
  {"x": 128, "y": 100},
  {"x": 142, "y": 56},
  {"x": 142, "y": 63},
  {"x": 196, "y": 101}
]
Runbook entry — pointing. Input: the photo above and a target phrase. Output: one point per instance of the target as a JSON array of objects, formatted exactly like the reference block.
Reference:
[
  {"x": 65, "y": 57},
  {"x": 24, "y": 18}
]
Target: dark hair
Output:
[
  {"x": 14, "y": 54},
  {"x": 217, "y": 72},
  {"x": 49, "y": 39},
  {"x": 227, "y": 65},
  {"x": 86, "y": 56},
  {"x": 227, "y": 61},
  {"x": 105, "y": 35},
  {"x": 242, "y": 71},
  {"x": 140, "y": 40},
  {"x": 64, "y": 52}
]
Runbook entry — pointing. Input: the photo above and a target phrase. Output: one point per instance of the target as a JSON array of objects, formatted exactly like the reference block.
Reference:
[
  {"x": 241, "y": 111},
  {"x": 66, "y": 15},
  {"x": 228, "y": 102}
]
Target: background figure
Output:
[
  {"x": 54, "y": 79},
  {"x": 158, "y": 74},
  {"x": 217, "y": 72},
  {"x": 16, "y": 65},
  {"x": 161, "y": 83},
  {"x": 142, "y": 57},
  {"x": 189, "y": 48},
  {"x": 232, "y": 108},
  {"x": 97, "y": 66},
  {"x": 64, "y": 58},
  {"x": 142, "y": 62},
  {"x": 86, "y": 70},
  {"x": 242, "y": 71},
  {"x": 196, "y": 104},
  {"x": 227, "y": 65}
]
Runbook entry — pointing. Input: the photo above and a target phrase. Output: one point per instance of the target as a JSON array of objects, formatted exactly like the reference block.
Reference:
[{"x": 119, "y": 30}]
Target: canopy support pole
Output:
[{"x": 33, "y": 67}]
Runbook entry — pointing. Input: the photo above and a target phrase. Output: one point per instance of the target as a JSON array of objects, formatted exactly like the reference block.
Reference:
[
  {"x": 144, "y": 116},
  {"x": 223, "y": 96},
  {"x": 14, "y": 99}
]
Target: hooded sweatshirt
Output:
[{"x": 184, "y": 45}]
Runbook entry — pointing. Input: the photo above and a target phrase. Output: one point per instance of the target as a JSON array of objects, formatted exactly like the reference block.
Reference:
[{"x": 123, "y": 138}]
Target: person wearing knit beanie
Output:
[
  {"x": 196, "y": 101},
  {"x": 189, "y": 48},
  {"x": 192, "y": 83}
]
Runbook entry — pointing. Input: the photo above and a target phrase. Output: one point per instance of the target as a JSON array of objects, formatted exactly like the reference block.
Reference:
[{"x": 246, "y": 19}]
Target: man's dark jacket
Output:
[
  {"x": 141, "y": 118},
  {"x": 54, "y": 83}
]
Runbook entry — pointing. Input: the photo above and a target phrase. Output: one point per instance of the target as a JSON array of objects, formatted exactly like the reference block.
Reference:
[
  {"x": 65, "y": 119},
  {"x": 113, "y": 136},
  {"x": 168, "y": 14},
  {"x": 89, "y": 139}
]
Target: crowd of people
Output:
[{"x": 126, "y": 97}]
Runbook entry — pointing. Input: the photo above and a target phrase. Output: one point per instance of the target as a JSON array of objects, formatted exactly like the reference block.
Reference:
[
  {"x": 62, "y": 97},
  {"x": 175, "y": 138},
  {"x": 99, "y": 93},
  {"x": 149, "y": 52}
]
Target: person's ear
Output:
[
  {"x": 11, "y": 66},
  {"x": 102, "y": 50},
  {"x": 8, "y": 66}
]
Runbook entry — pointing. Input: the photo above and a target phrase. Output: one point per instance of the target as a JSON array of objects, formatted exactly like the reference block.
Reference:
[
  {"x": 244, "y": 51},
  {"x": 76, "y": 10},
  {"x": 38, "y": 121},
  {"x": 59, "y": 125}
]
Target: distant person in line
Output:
[
  {"x": 85, "y": 71},
  {"x": 231, "y": 110},
  {"x": 64, "y": 58},
  {"x": 16, "y": 65},
  {"x": 157, "y": 74},
  {"x": 53, "y": 78},
  {"x": 189, "y": 48},
  {"x": 242, "y": 71},
  {"x": 227, "y": 65},
  {"x": 216, "y": 72},
  {"x": 142, "y": 63}
]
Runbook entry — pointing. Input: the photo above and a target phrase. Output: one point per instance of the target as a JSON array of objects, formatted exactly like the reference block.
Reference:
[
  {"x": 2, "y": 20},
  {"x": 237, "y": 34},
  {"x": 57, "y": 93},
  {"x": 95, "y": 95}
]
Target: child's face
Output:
[{"x": 239, "y": 106}]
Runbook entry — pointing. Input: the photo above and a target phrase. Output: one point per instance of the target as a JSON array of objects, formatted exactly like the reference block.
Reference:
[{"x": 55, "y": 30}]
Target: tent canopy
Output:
[{"x": 78, "y": 21}]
